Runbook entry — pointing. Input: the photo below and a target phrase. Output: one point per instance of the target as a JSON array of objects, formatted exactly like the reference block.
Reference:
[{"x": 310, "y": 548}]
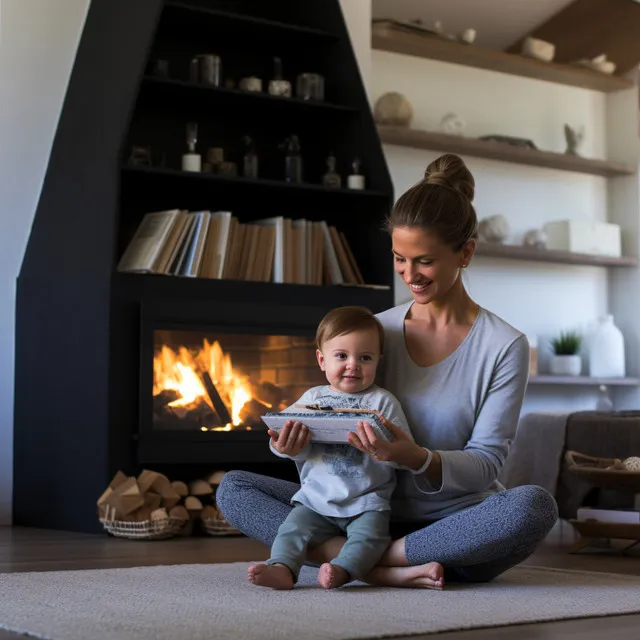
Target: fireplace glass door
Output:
[{"x": 224, "y": 382}]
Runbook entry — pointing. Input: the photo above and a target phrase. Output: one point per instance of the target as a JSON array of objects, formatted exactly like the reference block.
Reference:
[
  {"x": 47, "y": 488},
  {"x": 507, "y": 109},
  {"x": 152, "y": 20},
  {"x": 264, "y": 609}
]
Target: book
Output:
[{"x": 145, "y": 247}]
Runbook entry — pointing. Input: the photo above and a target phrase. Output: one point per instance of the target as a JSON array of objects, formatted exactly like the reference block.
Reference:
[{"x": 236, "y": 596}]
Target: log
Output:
[
  {"x": 216, "y": 401},
  {"x": 180, "y": 488},
  {"x": 200, "y": 488}
]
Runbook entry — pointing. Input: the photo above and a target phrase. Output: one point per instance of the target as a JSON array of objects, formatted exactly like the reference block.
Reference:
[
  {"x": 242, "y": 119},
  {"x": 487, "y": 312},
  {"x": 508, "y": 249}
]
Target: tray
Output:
[
  {"x": 592, "y": 530},
  {"x": 601, "y": 471}
]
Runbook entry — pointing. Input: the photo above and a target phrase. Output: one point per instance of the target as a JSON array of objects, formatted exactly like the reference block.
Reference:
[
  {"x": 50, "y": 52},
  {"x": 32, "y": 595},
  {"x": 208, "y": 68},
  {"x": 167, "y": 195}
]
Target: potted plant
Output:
[{"x": 566, "y": 361}]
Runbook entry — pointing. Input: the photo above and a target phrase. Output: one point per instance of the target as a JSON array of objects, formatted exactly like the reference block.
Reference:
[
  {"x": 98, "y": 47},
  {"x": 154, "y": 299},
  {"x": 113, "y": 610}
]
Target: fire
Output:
[{"x": 182, "y": 371}]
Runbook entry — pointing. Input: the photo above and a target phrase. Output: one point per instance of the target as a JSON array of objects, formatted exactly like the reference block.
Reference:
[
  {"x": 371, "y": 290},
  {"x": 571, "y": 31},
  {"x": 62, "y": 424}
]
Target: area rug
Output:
[{"x": 200, "y": 602}]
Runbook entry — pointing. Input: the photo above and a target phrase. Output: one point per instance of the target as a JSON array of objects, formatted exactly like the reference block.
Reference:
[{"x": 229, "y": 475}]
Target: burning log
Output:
[
  {"x": 216, "y": 401},
  {"x": 252, "y": 410},
  {"x": 267, "y": 393}
]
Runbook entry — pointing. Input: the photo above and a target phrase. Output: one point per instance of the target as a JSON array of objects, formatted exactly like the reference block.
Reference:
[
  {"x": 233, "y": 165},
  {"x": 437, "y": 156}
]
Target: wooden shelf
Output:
[
  {"x": 180, "y": 14},
  {"x": 519, "y": 252},
  {"x": 250, "y": 183},
  {"x": 237, "y": 96},
  {"x": 584, "y": 381},
  {"x": 388, "y": 36},
  {"x": 502, "y": 152}
]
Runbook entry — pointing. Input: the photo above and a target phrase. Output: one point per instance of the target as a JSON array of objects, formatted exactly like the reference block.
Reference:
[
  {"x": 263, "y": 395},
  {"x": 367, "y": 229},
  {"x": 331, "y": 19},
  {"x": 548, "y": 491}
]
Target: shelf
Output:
[
  {"x": 229, "y": 22},
  {"x": 501, "y": 151},
  {"x": 392, "y": 37},
  {"x": 237, "y": 96},
  {"x": 138, "y": 286},
  {"x": 250, "y": 183},
  {"x": 584, "y": 381},
  {"x": 519, "y": 252}
]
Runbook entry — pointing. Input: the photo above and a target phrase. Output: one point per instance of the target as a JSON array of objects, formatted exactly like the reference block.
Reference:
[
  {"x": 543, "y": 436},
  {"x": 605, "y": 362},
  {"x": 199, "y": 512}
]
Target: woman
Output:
[{"x": 460, "y": 373}]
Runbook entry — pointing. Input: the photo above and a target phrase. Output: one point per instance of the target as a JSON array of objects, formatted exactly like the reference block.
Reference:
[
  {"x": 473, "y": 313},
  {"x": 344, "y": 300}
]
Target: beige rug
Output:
[{"x": 205, "y": 602}]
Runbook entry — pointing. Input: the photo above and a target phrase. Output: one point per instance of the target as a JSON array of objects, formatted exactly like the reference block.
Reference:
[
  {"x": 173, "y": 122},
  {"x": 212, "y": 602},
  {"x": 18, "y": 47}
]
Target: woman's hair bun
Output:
[{"x": 449, "y": 170}]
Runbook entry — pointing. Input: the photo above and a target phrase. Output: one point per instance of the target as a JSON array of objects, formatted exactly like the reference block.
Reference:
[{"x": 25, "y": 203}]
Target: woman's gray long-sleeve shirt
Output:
[{"x": 465, "y": 407}]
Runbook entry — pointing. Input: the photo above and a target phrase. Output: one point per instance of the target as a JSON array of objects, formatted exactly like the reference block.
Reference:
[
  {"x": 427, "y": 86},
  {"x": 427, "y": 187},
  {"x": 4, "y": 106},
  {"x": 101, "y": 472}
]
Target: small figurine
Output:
[
  {"x": 331, "y": 179},
  {"x": 574, "y": 138},
  {"x": 250, "y": 159}
]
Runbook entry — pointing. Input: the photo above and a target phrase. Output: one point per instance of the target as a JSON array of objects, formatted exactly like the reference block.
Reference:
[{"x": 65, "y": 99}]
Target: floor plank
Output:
[{"x": 41, "y": 550}]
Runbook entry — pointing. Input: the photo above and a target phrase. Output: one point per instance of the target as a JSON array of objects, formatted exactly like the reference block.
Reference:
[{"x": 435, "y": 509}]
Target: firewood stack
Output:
[{"x": 152, "y": 497}]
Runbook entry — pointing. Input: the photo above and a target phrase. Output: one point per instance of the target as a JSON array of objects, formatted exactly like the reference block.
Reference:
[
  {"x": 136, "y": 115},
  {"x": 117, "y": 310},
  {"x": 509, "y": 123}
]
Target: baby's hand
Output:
[{"x": 291, "y": 439}]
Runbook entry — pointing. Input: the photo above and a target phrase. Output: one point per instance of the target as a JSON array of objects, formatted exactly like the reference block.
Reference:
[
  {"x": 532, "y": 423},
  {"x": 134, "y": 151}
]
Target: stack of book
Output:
[{"x": 204, "y": 244}]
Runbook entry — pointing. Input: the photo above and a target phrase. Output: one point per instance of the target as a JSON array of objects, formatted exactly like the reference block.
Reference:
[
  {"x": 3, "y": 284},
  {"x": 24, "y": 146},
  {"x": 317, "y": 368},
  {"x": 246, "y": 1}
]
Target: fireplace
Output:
[{"x": 203, "y": 390}]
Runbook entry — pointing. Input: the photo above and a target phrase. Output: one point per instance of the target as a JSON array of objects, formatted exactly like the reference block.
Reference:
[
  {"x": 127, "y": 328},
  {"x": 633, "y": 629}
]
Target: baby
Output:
[{"x": 343, "y": 491}]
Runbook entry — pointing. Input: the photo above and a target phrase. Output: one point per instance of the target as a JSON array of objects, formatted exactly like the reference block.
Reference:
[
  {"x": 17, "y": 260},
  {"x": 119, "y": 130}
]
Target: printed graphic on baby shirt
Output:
[{"x": 343, "y": 460}]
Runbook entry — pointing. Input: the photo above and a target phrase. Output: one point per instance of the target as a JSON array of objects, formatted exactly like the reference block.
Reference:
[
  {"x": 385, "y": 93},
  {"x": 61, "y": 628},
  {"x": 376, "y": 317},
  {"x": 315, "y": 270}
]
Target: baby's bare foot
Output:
[
  {"x": 276, "y": 576},
  {"x": 331, "y": 576},
  {"x": 424, "y": 576}
]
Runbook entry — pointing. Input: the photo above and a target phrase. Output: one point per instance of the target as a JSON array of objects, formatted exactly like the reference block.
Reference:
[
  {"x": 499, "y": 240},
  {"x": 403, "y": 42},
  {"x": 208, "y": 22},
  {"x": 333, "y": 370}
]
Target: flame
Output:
[{"x": 181, "y": 372}]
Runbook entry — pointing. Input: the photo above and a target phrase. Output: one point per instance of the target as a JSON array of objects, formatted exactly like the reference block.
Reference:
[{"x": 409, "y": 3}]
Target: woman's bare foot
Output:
[
  {"x": 276, "y": 576},
  {"x": 331, "y": 576},
  {"x": 424, "y": 576}
]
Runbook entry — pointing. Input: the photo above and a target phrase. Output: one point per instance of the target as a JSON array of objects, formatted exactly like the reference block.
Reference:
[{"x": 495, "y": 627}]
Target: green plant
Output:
[{"x": 567, "y": 344}]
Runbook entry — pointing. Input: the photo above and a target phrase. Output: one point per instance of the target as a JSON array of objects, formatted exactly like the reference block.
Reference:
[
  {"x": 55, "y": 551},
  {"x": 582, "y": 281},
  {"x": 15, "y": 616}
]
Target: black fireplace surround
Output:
[{"x": 84, "y": 331}]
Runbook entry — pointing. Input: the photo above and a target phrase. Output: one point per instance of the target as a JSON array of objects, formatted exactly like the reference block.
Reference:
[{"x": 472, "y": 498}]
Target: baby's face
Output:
[{"x": 350, "y": 361}]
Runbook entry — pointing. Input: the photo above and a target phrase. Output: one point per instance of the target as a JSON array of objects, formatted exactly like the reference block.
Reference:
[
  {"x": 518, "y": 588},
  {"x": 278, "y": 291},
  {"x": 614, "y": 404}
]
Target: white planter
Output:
[{"x": 566, "y": 365}]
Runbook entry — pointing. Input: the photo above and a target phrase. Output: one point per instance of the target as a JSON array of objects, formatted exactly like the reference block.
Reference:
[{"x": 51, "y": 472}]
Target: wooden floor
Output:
[{"x": 39, "y": 550}]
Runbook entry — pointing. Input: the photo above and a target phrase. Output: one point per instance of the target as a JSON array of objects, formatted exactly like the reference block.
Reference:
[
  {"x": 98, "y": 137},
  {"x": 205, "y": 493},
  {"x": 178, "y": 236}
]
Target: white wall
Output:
[
  {"x": 357, "y": 15},
  {"x": 539, "y": 299},
  {"x": 38, "y": 42}
]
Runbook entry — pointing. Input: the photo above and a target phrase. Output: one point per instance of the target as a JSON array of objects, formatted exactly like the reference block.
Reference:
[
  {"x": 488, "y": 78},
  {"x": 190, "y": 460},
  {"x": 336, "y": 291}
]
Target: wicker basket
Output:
[
  {"x": 146, "y": 530},
  {"x": 218, "y": 526},
  {"x": 602, "y": 472}
]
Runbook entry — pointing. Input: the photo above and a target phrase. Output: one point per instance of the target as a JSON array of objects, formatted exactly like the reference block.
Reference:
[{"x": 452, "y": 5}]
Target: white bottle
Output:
[{"x": 606, "y": 350}]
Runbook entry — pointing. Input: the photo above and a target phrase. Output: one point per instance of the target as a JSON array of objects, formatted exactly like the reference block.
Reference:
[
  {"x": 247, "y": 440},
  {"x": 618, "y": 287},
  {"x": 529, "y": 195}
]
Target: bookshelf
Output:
[{"x": 92, "y": 201}]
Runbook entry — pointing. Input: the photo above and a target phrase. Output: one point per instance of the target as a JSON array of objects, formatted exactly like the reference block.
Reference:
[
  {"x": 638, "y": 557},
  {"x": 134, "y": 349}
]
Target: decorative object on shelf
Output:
[
  {"x": 583, "y": 236},
  {"x": 229, "y": 83},
  {"x": 279, "y": 86},
  {"x": 393, "y": 109},
  {"x": 452, "y": 124},
  {"x": 566, "y": 360},
  {"x": 213, "y": 159},
  {"x": 293, "y": 165},
  {"x": 158, "y": 68},
  {"x": 140, "y": 156},
  {"x": 606, "y": 350},
  {"x": 251, "y": 84},
  {"x": 599, "y": 64},
  {"x": 574, "y": 138},
  {"x": 493, "y": 229},
  {"x": 538, "y": 49},
  {"x": 468, "y": 36},
  {"x": 191, "y": 161},
  {"x": 310, "y": 86},
  {"x": 356, "y": 179},
  {"x": 331, "y": 178},
  {"x": 536, "y": 238},
  {"x": 250, "y": 159},
  {"x": 604, "y": 403},
  {"x": 206, "y": 69},
  {"x": 513, "y": 141}
]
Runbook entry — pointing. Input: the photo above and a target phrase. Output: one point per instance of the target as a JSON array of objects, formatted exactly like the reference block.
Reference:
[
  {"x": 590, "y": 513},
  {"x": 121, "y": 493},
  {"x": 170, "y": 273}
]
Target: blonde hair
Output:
[
  {"x": 440, "y": 202},
  {"x": 343, "y": 320}
]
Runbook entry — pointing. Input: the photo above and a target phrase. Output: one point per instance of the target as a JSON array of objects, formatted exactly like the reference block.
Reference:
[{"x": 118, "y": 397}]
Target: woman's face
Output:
[{"x": 428, "y": 267}]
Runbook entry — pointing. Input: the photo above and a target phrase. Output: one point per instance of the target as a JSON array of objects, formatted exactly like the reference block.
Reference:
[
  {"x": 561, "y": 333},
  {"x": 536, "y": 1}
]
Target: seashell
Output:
[
  {"x": 393, "y": 109},
  {"x": 538, "y": 49},
  {"x": 493, "y": 229},
  {"x": 453, "y": 124}
]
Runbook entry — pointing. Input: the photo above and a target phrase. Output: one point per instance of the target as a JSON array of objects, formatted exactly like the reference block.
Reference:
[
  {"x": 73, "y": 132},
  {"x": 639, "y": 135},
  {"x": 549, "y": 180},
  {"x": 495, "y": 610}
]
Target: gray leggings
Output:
[{"x": 474, "y": 545}]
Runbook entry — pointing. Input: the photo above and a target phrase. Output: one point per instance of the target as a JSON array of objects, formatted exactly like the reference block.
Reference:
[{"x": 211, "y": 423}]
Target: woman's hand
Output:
[
  {"x": 291, "y": 439},
  {"x": 402, "y": 449}
]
